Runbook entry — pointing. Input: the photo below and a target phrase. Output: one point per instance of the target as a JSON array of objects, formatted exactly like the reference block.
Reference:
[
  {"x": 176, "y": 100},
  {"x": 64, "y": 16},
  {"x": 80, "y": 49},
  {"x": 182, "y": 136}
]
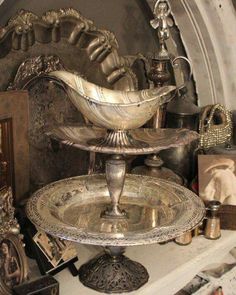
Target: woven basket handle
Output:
[{"x": 208, "y": 114}]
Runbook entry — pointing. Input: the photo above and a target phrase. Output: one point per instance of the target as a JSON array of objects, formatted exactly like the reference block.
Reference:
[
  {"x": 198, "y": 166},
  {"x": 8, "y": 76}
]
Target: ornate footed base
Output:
[
  {"x": 118, "y": 139},
  {"x": 113, "y": 272}
]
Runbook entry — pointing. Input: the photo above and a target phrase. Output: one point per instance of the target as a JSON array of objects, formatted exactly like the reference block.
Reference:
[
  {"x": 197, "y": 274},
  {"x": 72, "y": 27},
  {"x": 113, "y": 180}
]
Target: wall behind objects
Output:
[
  {"x": 207, "y": 29},
  {"x": 124, "y": 18}
]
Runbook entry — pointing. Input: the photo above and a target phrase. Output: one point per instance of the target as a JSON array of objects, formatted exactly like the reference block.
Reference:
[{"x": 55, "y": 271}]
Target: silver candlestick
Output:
[{"x": 115, "y": 177}]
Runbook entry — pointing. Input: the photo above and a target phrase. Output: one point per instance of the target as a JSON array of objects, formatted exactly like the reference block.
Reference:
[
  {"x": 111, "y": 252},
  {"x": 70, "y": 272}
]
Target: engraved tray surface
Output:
[
  {"x": 156, "y": 139},
  {"x": 157, "y": 210}
]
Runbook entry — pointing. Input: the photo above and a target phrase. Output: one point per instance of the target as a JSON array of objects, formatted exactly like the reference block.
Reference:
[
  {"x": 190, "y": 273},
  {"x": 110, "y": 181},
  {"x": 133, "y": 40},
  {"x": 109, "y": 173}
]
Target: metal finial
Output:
[{"x": 162, "y": 22}]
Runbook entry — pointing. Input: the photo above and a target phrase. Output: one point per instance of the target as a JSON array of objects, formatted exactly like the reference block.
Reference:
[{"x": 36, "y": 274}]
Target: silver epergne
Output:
[{"x": 116, "y": 210}]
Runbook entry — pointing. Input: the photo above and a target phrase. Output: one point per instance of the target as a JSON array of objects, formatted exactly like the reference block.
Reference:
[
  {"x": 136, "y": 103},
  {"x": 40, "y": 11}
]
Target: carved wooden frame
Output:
[
  {"x": 14, "y": 105},
  {"x": 15, "y": 242},
  {"x": 26, "y": 29}
]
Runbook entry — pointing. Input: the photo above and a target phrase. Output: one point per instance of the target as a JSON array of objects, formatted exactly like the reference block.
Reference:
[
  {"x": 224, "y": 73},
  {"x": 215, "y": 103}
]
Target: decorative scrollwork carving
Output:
[
  {"x": 26, "y": 28},
  {"x": 22, "y": 29},
  {"x": 23, "y": 18},
  {"x": 53, "y": 16},
  {"x": 33, "y": 68},
  {"x": 8, "y": 223}
]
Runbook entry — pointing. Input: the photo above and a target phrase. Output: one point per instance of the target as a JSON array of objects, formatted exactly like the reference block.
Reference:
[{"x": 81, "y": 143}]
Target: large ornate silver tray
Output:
[
  {"x": 154, "y": 140},
  {"x": 157, "y": 210}
]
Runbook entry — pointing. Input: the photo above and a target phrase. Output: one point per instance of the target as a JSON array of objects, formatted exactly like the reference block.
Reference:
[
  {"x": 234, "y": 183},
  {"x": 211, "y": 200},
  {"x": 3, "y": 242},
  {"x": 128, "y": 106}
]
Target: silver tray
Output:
[
  {"x": 157, "y": 210},
  {"x": 154, "y": 140}
]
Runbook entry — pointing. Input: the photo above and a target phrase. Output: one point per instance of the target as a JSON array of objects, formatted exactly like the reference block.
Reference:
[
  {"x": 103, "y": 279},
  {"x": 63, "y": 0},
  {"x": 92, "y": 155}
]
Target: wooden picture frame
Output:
[
  {"x": 14, "y": 115},
  {"x": 13, "y": 263},
  {"x": 6, "y": 153},
  {"x": 55, "y": 249},
  {"x": 217, "y": 178},
  {"x": 217, "y": 181},
  {"x": 34, "y": 251}
]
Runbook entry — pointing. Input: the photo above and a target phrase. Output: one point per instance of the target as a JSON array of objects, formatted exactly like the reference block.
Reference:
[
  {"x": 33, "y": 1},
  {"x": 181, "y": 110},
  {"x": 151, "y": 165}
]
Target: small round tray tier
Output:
[
  {"x": 157, "y": 210},
  {"x": 155, "y": 140}
]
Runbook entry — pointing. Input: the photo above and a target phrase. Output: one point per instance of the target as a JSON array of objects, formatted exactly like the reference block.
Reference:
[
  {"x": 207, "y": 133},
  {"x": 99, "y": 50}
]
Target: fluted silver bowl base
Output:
[
  {"x": 134, "y": 142},
  {"x": 117, "y": 139},
  {"x": 110, "y": 273}
]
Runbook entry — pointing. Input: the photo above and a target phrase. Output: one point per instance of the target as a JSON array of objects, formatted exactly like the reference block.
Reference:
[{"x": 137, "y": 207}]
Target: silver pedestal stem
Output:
[{"x": 115, "y": 177}]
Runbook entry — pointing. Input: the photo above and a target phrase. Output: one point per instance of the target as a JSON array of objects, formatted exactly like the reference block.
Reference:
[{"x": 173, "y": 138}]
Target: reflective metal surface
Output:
[
  {"x": 184, "y": 239},
  {"x": 113, "y": 272},
  {"x": 153, "y": 167},
  {"x": 212, "y": 228},
  {"x": 182, "y": 112},
  {"x": 115, "y": 177},
  {"x": 113, "y": 109},
  {"x": 154, "y": 140},
  {"x": 157, "y": 210}
]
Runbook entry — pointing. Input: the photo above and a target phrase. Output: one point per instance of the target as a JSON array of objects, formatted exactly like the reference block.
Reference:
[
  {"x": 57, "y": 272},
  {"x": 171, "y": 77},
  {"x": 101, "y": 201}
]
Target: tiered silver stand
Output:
[{"x": 116, "y": 210}]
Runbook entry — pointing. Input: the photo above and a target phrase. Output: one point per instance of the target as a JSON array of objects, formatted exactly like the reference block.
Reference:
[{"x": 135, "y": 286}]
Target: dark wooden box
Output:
[
  {"x": 45, "y": 285},
  {"x": 228, "y": 217}
]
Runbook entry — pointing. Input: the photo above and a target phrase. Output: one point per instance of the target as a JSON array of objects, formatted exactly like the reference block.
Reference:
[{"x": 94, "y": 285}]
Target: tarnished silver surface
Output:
[
  {"x": 113, "y": 109},
  {"x": 153, "y": 167},
  {"x": 113, "y": 272},
  {"x": 98, "y": 51},
  {"x": 155, "y": 139},
  {"x": 162, "y": 22},
  {"x": 115, "y": 177},
  {"x": 157, "y": 210}
]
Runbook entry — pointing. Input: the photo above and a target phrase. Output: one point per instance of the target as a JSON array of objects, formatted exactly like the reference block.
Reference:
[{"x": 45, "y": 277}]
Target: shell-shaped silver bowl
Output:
[{"x": 113, "y": 109}]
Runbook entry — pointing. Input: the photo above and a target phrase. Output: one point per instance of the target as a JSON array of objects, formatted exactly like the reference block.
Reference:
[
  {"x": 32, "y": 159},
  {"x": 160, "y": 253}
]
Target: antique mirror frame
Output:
[{"x": 15, "y": 242}]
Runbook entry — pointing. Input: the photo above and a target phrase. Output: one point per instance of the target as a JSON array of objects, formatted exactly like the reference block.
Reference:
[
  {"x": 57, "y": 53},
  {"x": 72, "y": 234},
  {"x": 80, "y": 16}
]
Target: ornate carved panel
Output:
[{"x": 74, "y": 38}]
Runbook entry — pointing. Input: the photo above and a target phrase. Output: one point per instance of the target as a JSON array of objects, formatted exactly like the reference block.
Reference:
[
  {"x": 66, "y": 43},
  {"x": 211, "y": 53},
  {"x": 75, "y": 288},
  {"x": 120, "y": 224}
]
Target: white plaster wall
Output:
[
  {"x": 220, "y": 18},
  {"x": 208, "y": 33}
]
